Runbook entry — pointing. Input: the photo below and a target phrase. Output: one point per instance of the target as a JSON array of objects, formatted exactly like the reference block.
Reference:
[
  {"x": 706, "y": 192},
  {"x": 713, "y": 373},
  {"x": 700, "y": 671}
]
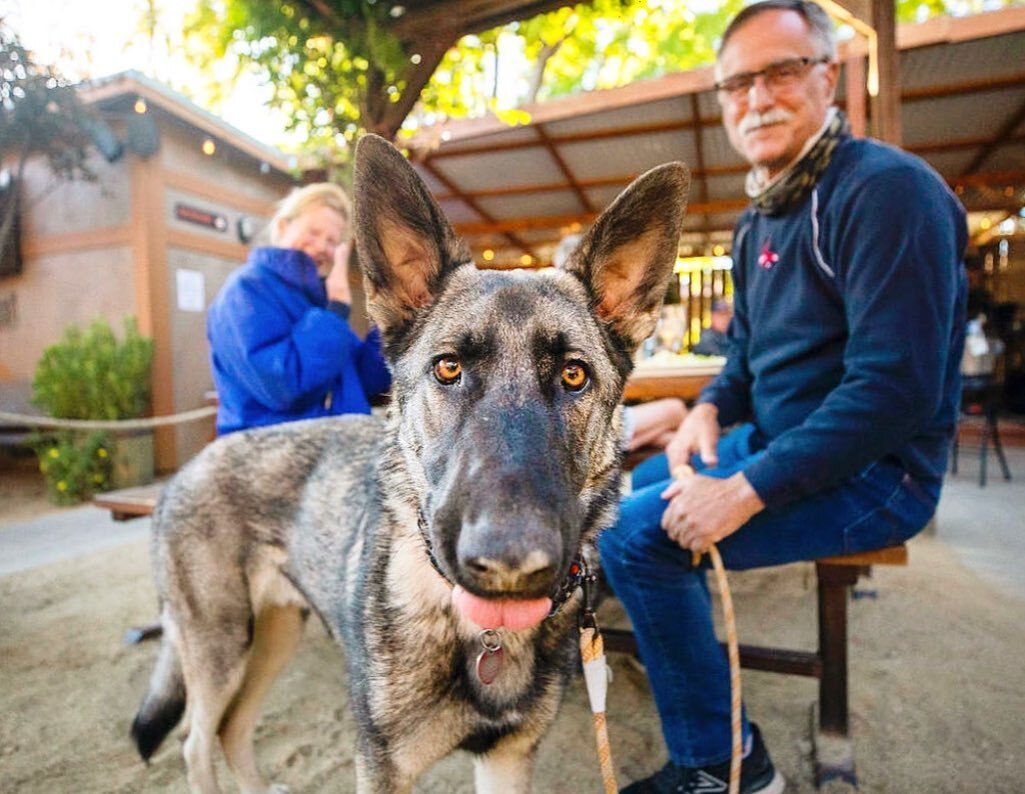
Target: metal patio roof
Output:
[{"x": 518, "y": 190}]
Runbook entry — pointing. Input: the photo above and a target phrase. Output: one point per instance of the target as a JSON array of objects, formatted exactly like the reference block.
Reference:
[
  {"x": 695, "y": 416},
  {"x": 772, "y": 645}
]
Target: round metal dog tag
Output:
[{"x": 489, "y": 663}]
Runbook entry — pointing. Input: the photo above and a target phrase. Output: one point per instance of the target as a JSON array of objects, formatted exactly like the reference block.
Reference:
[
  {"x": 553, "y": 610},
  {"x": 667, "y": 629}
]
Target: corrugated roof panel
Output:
[
  {"x": 723, "y": 186},
  {"x": 457, "y": 211},
  {"x": 509, "y": 167},
  {"x": 676, "y": 109},
  {"x": 963, "y": 117},
  {"x": 967, "y": 61},
  {"x": 533, "y": 205},
  {"x": 433, "y": 184},
  {"x": 950, "y": 164},
  {"x": 716, "y": 148},
  {"x": 603, "y": 196},
  {"x": 1010, "y": 157},
  {"x": 628, "y": 155},
  {"x": 507, "y": 135}
]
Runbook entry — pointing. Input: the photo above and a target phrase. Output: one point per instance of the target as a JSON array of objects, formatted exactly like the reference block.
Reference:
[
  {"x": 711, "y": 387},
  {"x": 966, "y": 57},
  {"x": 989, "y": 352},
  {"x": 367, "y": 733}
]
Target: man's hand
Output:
[
  {"x": 698, "y": 433},
  {"x": 337, "y": 281},
  {"x": 704, "y": 510}
]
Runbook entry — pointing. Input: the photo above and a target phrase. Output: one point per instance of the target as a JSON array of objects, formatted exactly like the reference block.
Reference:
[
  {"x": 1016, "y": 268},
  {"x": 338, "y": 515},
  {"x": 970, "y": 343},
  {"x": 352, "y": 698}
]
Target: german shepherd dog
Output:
[{"x": 438, "y": 543}]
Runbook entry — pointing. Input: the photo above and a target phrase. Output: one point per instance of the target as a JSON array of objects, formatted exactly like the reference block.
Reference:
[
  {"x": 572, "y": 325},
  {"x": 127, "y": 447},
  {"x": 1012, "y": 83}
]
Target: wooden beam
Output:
[
  {"x": 585, "y": 202},
  {"x": 854, "y": 77},
  {"x": 430, "y": 50},
  {"x": 574, "y": 137},
  {"x": 699, "y": 152},
  {"x": 990, "y": 179},
  {"x": 667, "y": 87},
  {"x": 886, "y": 121},
  {"x": 475, "y": 16},
  {"x": 153, "y": 296},
  {"x": 1002, "y": 138},
  {"x": 70, "y": 242},
  {"x": 509, "y": 225},
  {"x": 968, "y": 87},
  {"x": 962, "y": 143},
  {"x": 490, "y": 223}
]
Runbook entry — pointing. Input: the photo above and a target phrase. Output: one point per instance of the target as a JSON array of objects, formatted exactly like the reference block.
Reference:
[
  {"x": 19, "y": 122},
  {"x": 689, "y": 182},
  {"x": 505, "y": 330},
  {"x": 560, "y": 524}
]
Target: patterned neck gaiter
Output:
[{"x": 796, "y": 180}]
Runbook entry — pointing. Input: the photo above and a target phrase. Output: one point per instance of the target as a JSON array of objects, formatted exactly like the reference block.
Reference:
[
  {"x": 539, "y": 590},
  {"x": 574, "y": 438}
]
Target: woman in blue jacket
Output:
[{"x": 281, "y": 345}]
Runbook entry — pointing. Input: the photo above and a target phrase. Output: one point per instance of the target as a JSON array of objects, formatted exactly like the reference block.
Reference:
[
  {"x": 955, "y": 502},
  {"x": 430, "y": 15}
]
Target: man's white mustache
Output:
[{"x": 753, "y": 119}]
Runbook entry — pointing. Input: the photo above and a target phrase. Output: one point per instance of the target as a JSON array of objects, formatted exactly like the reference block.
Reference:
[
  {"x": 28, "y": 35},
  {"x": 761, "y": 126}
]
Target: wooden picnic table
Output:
[{"x": 675, "y": 376}]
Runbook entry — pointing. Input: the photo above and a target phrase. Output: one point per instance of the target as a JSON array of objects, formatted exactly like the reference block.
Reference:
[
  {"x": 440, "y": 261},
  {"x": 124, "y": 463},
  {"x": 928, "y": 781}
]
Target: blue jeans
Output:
[{"x": 668, "y": 600}]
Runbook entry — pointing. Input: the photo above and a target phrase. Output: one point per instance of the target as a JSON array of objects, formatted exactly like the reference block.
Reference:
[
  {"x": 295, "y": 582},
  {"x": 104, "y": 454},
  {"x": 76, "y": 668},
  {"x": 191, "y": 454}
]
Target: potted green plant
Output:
[{"x": 91, "y": 374}]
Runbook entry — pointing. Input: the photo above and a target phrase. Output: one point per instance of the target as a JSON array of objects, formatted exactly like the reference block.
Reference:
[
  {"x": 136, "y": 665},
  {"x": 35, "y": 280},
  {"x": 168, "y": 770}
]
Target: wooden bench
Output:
[
  {"x": 128, "y": 503},
  {"x": 834, "y": 757}
]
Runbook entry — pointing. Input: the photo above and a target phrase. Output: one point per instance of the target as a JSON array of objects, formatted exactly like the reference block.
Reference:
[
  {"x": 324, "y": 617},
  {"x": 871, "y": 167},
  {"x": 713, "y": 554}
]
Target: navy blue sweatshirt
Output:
[{"x": 849, "y": 325}]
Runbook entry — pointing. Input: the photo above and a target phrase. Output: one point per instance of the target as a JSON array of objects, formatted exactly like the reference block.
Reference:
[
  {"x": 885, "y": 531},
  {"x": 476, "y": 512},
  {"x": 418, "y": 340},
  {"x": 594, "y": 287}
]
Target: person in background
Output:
[
  {"x": 714, "y": 340},
  {"x": 281, "y": 344},
  {"x": 841, "y": 387},
  {"x": 653, "y": 423}
]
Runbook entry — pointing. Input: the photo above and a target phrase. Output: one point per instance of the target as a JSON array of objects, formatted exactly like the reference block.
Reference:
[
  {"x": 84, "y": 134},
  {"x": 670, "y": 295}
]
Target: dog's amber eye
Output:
[
  {"x": 574, "y": 375},
  {"x": 447, "y": 370}
]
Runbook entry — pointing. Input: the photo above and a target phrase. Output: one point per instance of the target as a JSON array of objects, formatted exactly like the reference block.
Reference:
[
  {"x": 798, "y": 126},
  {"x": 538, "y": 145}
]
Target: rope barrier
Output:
[{"x": 50, "y": 423}]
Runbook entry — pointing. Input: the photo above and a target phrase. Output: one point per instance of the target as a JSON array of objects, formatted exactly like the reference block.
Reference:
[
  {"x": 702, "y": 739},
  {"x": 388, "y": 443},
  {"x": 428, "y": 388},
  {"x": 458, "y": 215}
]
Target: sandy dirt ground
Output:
[{"x": 937, "y": 688}]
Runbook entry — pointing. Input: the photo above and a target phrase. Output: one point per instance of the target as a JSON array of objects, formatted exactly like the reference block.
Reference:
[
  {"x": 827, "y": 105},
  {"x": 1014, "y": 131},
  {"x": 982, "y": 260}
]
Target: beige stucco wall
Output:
[
  {"x": 77, "y": 262},
  {"x": 114, "y": 248},
  {"x": 57, "y": 207}
]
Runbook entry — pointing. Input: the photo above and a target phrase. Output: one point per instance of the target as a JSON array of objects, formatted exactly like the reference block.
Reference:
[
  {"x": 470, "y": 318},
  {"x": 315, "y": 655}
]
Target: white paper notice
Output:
[{"x": 191, "y": 291}]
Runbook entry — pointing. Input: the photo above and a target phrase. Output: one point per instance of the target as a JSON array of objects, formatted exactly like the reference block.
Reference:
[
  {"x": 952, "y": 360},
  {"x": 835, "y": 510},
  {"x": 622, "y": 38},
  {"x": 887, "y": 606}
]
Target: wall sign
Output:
[
  {"x": 191, "y": 290},
  {"x": 201, "y": 217}
]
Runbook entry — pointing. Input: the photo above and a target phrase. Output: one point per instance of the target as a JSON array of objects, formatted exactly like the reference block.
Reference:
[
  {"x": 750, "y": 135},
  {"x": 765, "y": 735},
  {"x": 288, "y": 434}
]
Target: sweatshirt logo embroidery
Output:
[{"x": 767, "y": 258}]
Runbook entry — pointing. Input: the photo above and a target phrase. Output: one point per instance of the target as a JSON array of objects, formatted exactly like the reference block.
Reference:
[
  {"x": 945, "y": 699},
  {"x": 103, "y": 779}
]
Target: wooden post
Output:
[
  {"x": 886, "y": 121},
  {"x": 854, "y": 92}
]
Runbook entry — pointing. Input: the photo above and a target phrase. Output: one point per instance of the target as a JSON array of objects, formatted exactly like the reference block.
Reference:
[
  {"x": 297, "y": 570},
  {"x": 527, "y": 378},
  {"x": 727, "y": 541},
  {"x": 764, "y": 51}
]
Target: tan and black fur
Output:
[{"x": 505, "y": 474}]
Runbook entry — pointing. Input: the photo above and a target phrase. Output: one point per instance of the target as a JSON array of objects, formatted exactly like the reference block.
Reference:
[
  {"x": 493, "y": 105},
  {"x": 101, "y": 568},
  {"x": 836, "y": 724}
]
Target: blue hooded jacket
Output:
[{"x": 280, "y": 352}]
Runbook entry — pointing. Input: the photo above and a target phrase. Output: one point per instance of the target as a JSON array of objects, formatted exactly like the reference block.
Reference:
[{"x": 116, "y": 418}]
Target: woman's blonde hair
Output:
[{"x": 319, "y": 194}]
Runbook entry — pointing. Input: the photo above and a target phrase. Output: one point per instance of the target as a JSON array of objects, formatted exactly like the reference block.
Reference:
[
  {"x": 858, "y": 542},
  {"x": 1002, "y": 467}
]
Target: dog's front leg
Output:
[{"x": 506, "y": 768}]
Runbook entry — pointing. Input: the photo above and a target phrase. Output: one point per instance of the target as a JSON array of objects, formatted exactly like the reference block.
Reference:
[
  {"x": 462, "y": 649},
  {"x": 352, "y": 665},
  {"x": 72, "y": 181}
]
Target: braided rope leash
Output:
[
  {"x": 733, "y": 650},
  {"x": 596, "y": 677},
  {"x": 732, "y": 646}
]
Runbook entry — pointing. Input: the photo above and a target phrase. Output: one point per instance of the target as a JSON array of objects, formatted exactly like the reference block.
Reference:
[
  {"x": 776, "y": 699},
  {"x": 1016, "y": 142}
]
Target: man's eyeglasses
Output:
[{"x": 782, "y": 74}]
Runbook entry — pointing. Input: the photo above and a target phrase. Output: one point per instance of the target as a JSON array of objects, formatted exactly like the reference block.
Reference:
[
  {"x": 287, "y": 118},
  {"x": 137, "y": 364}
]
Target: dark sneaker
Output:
[{"x": 757, "y": 776}]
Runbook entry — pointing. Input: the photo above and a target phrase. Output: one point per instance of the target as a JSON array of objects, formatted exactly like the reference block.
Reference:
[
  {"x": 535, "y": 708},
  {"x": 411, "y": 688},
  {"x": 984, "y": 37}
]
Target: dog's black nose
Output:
[{"x": 499, "y": 558}]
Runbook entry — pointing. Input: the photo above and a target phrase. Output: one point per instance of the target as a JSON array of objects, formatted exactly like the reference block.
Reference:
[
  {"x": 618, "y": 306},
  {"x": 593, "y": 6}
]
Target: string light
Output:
[
  {"x": 488, "y": 254},
  {"x": 140, "y": 106},
  {"x": 209, "y": 147}
]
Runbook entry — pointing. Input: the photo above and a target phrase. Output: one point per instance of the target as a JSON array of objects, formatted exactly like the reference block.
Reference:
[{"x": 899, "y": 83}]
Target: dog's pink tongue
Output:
[{"x": 498, "y": 613}]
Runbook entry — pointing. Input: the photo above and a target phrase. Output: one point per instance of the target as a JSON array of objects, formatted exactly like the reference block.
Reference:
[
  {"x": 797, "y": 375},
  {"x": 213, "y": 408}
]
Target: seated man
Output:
[
  {"x": 841, "y": 386},
  {"x": 715, "y": 340}
]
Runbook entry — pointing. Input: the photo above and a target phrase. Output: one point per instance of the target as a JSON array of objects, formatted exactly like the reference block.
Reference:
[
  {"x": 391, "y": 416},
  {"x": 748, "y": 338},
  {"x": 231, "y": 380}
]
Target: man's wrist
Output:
[{"x": 747, "y": 496}]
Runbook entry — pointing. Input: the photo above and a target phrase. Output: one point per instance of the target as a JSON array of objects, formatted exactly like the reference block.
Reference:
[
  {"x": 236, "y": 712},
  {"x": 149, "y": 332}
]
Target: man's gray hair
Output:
[{"x": 818, "y": 21}]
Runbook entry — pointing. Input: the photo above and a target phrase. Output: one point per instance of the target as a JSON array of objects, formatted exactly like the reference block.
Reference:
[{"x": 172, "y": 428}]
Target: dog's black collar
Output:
[{"x": 575, "y": 578}]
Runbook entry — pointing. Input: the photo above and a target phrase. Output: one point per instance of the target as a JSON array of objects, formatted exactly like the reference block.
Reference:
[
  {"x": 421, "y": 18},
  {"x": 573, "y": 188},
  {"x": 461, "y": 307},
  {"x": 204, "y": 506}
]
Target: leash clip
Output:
[{"x": 589, "y": 586}]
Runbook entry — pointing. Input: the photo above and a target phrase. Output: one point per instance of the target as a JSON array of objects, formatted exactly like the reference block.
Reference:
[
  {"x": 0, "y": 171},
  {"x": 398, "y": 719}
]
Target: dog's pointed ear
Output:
[
  {"x": 405, "y": 244},
  {"x": 627, "y": 257}
]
